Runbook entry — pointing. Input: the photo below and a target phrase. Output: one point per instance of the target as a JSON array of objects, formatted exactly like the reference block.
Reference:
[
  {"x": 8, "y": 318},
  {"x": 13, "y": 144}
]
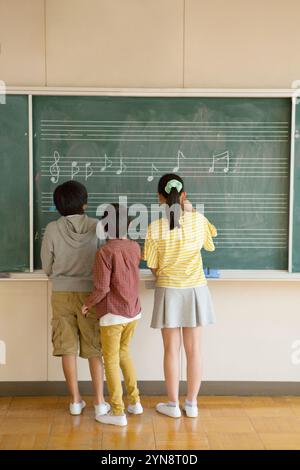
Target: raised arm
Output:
[{"x": 210, "y": 231}]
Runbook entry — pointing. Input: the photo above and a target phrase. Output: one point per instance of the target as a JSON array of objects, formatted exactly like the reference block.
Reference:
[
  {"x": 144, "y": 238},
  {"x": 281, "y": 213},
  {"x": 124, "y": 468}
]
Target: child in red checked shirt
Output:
[{"x": 116, "y": 299}]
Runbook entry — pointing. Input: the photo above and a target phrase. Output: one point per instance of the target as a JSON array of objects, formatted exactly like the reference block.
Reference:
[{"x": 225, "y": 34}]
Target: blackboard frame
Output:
[{"x": 291, "y": 93}]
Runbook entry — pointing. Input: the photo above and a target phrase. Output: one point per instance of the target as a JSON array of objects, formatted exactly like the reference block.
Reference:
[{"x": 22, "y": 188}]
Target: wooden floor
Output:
[{"x": 224, "y": 423}]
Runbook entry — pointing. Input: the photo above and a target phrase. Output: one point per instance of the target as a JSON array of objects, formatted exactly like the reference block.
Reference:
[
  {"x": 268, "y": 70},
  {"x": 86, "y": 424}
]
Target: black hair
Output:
[
  {"x": 70, "y": 197},
  {"x": 118, "y": 221},
  {"x": 172, "y": 198}
]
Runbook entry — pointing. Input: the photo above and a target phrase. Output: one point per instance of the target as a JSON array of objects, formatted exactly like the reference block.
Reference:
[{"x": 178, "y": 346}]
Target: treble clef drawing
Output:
[{"x": 55, "y": 169}]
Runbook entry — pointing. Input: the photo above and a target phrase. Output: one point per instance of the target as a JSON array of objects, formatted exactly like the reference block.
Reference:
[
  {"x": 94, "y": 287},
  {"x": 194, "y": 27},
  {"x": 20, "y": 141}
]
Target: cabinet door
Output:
[{"x": 23, "y": 330}]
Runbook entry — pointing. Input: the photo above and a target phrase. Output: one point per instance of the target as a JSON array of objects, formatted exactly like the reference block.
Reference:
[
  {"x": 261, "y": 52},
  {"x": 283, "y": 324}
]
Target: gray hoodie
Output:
[{"x": 68, "y": 250}]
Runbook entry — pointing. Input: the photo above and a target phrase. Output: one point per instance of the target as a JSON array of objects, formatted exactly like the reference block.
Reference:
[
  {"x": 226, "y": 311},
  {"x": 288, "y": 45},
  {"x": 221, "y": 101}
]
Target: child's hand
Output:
[
  {"x": 84, "y": 310},
  {"x": 188, "y": 206}
]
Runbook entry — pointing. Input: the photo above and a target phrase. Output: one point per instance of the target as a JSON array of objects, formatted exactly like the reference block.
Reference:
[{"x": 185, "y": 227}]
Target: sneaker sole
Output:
[{"x": 112, "y": 424}]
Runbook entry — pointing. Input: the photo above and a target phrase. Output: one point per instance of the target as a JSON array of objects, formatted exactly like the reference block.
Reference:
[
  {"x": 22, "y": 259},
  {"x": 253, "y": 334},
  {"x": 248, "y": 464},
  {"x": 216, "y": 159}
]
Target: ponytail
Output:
[
  {"x": 171, "y": 186},
  {"x": 173, "y": 202}
]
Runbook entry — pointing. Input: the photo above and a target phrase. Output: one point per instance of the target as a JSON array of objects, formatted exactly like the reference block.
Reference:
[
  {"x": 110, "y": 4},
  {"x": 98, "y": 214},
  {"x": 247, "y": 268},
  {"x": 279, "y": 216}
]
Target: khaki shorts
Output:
[{"x": 69, "y": 326}]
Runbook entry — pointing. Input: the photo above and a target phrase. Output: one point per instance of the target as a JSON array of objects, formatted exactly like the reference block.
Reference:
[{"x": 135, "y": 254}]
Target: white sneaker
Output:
[
  {"x": 116, "y": 420},
  {"x": 168, "y": 410},
  {"x": 190, "y": 410},
  {"x": 76, "y": 408},
  {"x": 135, "y": 409},
  {"x": 102, "y": 409}
]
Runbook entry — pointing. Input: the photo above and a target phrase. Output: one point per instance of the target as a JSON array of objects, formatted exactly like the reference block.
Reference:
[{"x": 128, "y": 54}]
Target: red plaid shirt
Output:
[{"x": 116, "y": 279}]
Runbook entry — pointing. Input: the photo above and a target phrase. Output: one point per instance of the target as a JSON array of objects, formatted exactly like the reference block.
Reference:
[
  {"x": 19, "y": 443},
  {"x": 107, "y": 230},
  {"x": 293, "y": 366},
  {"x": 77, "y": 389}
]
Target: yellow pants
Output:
[{"x": 115, "y": 340}]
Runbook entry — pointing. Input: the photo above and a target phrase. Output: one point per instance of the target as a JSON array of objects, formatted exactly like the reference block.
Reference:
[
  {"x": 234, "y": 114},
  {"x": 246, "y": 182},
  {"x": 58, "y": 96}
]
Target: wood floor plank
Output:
[
  {"x": 181, "y": 441},
  {"x": 33, "y": 407},
  {"x": 22, "y": 441},
  {"x": 132, "y": 440},
  {"x": 229, "y": 425},
  {"x": 74, "y": 440},
  {"x": 280, "y": 441},
  {"x": 223, "y": 423},
  {"x": 4, "y": 405},
  {"x": 235, "y": 441},
  {"x": 276, "y": 425},
  {"x": 25, "y": 425}
]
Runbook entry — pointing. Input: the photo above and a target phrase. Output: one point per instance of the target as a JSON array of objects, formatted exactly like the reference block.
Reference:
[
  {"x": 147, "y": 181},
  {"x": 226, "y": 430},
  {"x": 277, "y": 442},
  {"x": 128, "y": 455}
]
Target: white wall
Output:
[
  {"x": 238, "y": 43},
  {"x": 22, "y": 42},
  {"x": 114, "y": 43},
  {"x": 150, "y": 43},
  {"x": 257, "y": 324},
  {"x": 157, "y": 43}
]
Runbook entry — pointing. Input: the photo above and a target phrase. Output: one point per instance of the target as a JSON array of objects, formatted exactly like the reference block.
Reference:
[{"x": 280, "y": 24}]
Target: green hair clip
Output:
[{"x": 173, "y": 184}]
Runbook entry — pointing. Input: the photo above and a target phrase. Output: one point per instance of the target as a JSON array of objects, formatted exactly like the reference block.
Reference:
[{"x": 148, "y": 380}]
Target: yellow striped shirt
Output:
[{"x": 176, "y": 253}]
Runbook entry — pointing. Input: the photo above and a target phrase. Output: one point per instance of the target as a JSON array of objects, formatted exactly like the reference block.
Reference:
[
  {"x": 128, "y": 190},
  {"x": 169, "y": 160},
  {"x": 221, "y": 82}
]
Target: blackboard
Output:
[
  {"x": 233, "y": 154},
  {"x": 14, "y": 184}
]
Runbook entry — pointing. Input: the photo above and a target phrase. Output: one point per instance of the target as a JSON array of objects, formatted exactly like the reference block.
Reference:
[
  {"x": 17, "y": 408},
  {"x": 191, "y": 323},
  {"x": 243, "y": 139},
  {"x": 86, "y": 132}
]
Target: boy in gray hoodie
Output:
[{"x": 68, "y": 250}]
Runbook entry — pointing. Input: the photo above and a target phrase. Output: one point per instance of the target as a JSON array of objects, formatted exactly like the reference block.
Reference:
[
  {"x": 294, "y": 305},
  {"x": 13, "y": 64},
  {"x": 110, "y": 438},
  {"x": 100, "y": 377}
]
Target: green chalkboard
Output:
[
  {"x": 296, "y": 209},
  {"x": 233, "y": 154},
  {"x": 14, "y": 194}
]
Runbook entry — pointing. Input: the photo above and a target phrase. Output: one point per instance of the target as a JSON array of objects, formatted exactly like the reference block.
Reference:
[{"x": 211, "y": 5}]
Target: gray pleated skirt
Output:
[{"x": 187, "y": 307}]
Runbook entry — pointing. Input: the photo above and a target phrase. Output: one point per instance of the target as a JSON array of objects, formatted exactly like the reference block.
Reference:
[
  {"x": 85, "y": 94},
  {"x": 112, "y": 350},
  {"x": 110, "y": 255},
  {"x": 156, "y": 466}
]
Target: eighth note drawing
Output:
[
  {"x": 74, "y": 169},
  {"x": 179, "y": 156},
  {"x": 107, "y": 163},
  {"x": 88, "y": 170},
  {"x": 54, "y": 169},
  {"x": 122, "y": 168},
  {"x": 153, "y": 169},
  {"x": 218, "y": 157}
]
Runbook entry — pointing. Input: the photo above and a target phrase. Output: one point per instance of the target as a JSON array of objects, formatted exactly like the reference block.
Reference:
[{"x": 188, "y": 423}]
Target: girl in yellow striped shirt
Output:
[{"x": 182, "y": 300}]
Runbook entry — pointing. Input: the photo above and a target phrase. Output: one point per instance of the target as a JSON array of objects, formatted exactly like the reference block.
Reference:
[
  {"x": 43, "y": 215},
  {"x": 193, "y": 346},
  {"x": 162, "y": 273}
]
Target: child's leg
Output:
[
  {"x": 172, "y": 341},
  {"x": 65, "y": 338},
  {"x": 192, "y": 346},
  {"x": 126, "y": 363},
  {"x": 69, "y": 364},
  {"x": 90, "y": 348},
  {"x": 110, "y": 341},
  {"x": 97, "y": 374}
]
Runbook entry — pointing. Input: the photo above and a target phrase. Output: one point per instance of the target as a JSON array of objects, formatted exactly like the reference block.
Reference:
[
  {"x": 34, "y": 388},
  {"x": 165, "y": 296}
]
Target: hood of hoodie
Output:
[{"x": 77, "y": 230}]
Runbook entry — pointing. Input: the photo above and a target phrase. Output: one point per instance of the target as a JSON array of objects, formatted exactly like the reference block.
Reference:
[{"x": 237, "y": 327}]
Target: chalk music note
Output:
[
  {"x": 74, "y": 169},
  {"x": 122, "y": 168},
  {"x": 153, "y": 169},
  {"x": 88, "y": 170},
  {"x": 179, "y": 156},
  {"x": 217, "y": 158},
  {"x": 54, "y": 169},
  {"x": 107, "y": 163}
]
